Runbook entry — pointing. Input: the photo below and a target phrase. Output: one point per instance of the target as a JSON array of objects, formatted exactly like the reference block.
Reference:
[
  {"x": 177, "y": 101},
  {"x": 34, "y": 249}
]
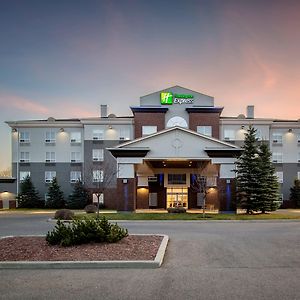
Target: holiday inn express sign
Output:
[{"x": 167, "y": 98}]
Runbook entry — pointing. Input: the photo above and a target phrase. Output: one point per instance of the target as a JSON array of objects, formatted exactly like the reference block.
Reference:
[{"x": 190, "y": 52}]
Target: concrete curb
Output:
[{"x": 133, "y": 264}]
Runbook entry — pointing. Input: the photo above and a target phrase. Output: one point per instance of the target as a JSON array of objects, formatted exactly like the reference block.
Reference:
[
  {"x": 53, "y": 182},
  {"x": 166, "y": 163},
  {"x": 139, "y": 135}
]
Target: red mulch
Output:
[{"x": 133, "y": 247}]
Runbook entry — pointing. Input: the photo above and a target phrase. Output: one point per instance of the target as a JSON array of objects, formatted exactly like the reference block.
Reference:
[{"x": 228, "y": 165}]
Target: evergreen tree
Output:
[
  {"x": 55, "y": 197},
  {"x": 248, "y": 167},
  {"x": 295, "y": 192},
  {"x": 79, "y": 197},
  {"x": 29, "y": 197},
  {"x": 268, "y": 196}
]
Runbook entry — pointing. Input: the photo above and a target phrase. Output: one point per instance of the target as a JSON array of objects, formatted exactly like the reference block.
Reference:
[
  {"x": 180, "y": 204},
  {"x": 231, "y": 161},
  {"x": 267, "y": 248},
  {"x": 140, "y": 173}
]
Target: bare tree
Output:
[
  {"x": 5, "y": 172},
  {"x": 100, "y": 176}
]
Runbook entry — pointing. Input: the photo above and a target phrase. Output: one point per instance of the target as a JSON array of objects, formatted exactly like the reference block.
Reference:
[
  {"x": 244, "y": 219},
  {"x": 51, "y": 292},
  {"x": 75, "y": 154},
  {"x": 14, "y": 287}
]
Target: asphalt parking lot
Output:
[{"x": 204, "y": 260}]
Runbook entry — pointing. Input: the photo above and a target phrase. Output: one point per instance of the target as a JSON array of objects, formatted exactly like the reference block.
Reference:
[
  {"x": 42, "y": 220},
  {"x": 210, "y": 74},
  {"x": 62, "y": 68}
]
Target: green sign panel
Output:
[{"x": 167, "y": 98}]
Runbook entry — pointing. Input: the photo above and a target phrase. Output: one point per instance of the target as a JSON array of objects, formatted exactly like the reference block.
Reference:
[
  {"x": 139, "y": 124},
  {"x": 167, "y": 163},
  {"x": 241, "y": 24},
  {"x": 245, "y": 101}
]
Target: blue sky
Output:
[{"x": 65, "y": 58}]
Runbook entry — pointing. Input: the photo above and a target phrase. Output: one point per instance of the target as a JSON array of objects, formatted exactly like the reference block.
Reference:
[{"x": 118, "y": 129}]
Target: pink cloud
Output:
[{"x": 22, "y": 104}]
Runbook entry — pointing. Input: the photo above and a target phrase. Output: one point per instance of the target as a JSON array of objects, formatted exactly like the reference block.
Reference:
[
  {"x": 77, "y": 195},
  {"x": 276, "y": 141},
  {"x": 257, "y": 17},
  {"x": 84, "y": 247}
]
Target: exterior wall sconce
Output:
[
  {"x": 61, "y": 129},
  {"x": 290, "y": 130}
]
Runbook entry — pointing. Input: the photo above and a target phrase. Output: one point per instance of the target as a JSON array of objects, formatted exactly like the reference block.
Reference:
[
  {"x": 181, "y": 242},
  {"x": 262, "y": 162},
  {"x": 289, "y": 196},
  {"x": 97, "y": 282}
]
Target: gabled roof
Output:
[{"x": 162, "y": 132}]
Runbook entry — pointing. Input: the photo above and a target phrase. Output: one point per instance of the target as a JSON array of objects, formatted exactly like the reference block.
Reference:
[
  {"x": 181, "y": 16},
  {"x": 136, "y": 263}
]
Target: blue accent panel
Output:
[
  {"x": 194, "y": 178},
  {"x": 161, "y": 179},
  {"x": 126, "y": 196},
  {"x": 228, "y": 196}
]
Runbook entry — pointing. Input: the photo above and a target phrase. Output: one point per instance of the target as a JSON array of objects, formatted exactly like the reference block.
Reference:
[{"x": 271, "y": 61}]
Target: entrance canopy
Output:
[{"x": 174, "y": 147}]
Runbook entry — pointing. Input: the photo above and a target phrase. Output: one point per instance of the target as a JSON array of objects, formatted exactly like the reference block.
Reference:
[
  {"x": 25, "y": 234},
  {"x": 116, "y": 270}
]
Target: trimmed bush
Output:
[
  {"x": 85, "y": 231},
  {"x": 91, "y": 208},
  {"x": 176, "y": 210},
  {"x": 64, "y": 214}
]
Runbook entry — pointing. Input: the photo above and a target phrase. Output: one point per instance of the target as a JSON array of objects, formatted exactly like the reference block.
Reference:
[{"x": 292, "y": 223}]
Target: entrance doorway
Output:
[{"x": 177, "y": 197}]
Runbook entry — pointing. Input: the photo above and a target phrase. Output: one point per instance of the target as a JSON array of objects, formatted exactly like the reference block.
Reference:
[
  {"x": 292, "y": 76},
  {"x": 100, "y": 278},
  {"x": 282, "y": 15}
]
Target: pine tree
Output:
[
  {"x": 55, "y": 197},
  {"x": 295, "y": 192},
  {"x": 268, "y": 196},
  {"x": 79, "y": 197},
  {"x": 247, "y": 170},
  {"x": 29, "y": 197}
]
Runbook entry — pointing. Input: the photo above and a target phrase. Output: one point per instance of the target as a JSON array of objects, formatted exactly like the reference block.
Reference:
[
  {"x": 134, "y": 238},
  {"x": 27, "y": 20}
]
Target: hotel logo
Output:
[{"x": 166, "y": 98}]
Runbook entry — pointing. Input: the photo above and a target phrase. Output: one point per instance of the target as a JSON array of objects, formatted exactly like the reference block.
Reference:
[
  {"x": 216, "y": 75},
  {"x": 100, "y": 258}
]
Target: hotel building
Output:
[{"x": 155, "y": 155}]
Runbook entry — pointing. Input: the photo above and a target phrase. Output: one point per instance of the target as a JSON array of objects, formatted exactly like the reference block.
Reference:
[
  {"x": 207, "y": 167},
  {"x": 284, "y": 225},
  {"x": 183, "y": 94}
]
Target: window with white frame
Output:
[
  {"x": 24, "y": 157},
  {"x": 279, "y": 176},
  {"x": 206, "y": 130},
  {"x": 277, "y": 157},
  {"x": 95, "y": 198},
  {"x": 147, "y": 130},
  {"x": 229, "y": 134},
  {"x": 24, "y": 175},
  {"x": 298, "y": 175},
  {"x": 298, "y": 138},
  {"x": 50, "y": 157},
  {"x": 75, "y": 157},
  {"x": 75, "y": 137},
  {"x": 124, "y": 133},
  {"x": 98, "y": 134},
  {"x": 50, "y": 136},
  {"x": 24, "y": 137},
  {"x": 49, "y": 175},
  {"x": 98, "y": 175},
  {"x": 98, "y": 154},
  {"x": 75, "y": 176},
  {"x": 277, "y": 138},
  {"x": 258, "y": 134}
]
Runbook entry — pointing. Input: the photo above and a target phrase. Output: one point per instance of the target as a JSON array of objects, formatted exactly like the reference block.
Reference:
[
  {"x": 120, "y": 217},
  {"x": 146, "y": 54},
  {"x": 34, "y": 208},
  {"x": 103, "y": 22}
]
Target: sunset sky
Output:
[{"x": 64, "y": 58}]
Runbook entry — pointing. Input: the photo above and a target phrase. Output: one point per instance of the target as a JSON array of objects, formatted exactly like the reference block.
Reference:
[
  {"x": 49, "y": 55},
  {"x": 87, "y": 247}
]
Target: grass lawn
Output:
[{"x": 189, "y": 216}]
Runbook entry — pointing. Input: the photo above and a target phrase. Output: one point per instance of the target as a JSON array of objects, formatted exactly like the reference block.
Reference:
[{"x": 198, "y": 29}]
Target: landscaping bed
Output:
[{"x": 35, "y": 248}]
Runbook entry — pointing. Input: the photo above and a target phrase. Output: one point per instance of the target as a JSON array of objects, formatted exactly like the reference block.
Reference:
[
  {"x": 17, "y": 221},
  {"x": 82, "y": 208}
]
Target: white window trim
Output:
[
  {"x": 51, "y": 140},
  {"x": 277, "y": 157},
  {"x": 75, "y": 177},
  {"x": 98, "y": 175},
  {"x": 76, "y": 158},
  {"x": 52, "y": 159},
  {"x": 24, "y": 159},
  {"x": 277, "y": 138},
  {"x": 98, "y": 134},
  {"x": 22, "y": 177},
  {"x": 229, "y": 134},
  {"x": 148, "y": 129},
  {"x": 75, "y": 140},
  {"x": 52, "y": 174},
  {"x": 98, "y": 157},
  {"x": 279, "y": 175},
  {"x": 24, "y": 140}
]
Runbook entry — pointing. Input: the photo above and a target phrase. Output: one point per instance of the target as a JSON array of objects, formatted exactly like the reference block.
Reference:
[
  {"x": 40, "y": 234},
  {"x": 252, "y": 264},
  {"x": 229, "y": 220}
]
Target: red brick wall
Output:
[
  {"x": 148, "y": 119},
  {"x": 126, "y": 195},
  {"x": 205, "y": 119}
]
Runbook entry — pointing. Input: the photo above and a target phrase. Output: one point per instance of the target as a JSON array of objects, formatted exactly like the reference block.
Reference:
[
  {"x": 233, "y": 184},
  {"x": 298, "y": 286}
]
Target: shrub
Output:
[
  {"x": 85, "y": 231},
  {"x": 176, "y": 210},
  {"x": 64, "y": 214},
  {"x": 91, "y": 208}
]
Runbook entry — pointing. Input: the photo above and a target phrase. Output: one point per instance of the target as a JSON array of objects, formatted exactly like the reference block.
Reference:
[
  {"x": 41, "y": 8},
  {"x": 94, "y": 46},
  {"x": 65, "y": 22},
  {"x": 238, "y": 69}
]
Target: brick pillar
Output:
[{"x": 126, "y": 194}]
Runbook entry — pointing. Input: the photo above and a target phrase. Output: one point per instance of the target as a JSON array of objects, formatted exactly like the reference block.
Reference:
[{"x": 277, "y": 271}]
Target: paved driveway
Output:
[{"x": 204, "y": 260}]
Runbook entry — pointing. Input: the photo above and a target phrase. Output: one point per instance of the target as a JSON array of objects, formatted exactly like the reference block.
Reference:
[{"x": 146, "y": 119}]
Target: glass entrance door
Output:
[{"x": 177, "y": 197}]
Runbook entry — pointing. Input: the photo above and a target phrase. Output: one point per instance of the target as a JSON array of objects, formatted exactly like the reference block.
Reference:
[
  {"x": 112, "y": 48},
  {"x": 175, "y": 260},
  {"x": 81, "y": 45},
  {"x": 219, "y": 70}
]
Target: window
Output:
[
  {"x": 98, "y": 175},
  {"x": 24, "y": 137},
  {"x": 23, "y": 175},
  {"x": 49, "y": 175},
  {"x": 50, "y": 137},
  {"x": 124, "y": 133},
  {"x": 298, "y": 175},
  {"x": 146, "y": 130},
  {"x": 229, "y": 134},
  {"x": 24, "y": 157},
  {"x": 75, "y": 176},
  {"x": 95, "y": 199},
  {"x": 258, "y": 134},
  {"x": 211, "y": 181},
  {"x": 98, "y": 134},
  {"x": 299, "y": 157},
  {"x": 279, "y": 176},
  {"x": 75, "y": 137},
  {"x": 298, "y": 138},
  {"x": 176, "y": 178},
  {"x": 50, "y": 157},
  {"x": 98, "y": 154},
  {"x": 277, "y": 138},
  {"x": 206, "y": 130},
  {"x": 75, "y": 157},
  {"x": 277, "y": 157}
]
